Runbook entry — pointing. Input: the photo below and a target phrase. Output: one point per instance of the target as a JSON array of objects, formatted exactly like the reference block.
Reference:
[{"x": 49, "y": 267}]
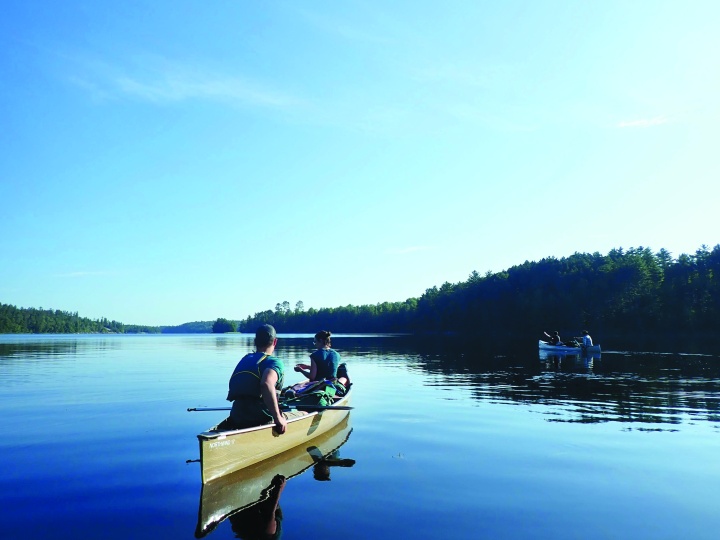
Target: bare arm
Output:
[
  {"x": 267, "y": 390},
  {"x": 304, "y": 369},
  {"x": 309, "y": 371}
]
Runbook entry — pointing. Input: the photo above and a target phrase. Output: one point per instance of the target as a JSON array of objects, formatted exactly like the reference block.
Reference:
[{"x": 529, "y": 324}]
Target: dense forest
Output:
[
  {"x": 15, "y": 320},
  {"x": 625, "y": 292}
]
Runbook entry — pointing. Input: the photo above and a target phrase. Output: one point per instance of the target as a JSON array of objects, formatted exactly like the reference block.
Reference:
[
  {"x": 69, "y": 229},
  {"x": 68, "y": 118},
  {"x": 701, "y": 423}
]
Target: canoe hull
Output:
[
  {"x": 232, "y": 493},
  {"x": 544, "y": 346},
  {"x": 223, "y": 452}
]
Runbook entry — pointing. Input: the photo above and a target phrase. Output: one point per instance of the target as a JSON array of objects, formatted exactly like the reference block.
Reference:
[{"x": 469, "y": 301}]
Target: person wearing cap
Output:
[{"x": 254, "y": 385}]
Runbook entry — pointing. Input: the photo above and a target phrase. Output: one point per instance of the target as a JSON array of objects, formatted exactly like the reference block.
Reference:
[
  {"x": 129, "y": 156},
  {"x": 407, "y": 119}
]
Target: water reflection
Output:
[
  {"x": 649, "y": 388},
  {"x": 31, "y": 350},
  {"x": 645, "y": 388},
  {"x": 579, "y": 361},
  {"x": 617, "y": 386},
  {"x": 52, "y": 346},
  {"x": 263, "y": 520},
  {"x": 250, "y": 498}
]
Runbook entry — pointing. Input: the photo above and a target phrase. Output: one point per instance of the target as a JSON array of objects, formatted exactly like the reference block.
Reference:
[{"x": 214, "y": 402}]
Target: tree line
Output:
[
  {"x": 14, "y": 320},
  {"x": 625, "y": 292}
]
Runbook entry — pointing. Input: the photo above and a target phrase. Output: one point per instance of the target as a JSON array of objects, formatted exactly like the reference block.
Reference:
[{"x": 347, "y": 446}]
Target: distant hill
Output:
[{"x": 197, "y": 327}]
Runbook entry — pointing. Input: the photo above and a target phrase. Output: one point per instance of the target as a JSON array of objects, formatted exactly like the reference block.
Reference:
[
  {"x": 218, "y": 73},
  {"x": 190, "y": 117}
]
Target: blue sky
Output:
[{"x": 164, "y": 162}]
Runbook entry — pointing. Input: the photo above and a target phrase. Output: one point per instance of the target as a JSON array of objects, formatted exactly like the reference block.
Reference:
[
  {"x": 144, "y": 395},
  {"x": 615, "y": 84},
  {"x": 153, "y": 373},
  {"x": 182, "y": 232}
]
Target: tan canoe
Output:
[
  {"x": 226, "y": 496},
  {"x": 223, "y": 452}
]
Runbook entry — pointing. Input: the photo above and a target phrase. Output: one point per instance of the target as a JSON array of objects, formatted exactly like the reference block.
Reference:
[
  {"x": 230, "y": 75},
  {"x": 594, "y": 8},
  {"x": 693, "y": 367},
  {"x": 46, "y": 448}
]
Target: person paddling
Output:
[{"x": 554, "y": 338}]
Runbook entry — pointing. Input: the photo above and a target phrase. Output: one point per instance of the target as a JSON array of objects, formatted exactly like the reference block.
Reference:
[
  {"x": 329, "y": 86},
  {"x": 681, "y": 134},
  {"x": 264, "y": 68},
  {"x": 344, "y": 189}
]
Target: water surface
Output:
[{"x": 457, "y": 442}]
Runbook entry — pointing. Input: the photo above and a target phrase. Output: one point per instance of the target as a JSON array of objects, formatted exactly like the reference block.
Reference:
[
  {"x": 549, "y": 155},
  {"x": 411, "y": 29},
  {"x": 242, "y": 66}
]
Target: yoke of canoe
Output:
[{"x": 223, "y": 452}]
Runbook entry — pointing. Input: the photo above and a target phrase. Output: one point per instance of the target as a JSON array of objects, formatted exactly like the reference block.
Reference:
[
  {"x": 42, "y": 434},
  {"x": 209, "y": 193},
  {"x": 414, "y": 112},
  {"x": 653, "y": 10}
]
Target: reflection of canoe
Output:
[
  {"x": 546, "y": 356},
  {"x": 234, "y": 492},
  {"x": 222, "y": 452},
  {"x": 544, "y": 346}
]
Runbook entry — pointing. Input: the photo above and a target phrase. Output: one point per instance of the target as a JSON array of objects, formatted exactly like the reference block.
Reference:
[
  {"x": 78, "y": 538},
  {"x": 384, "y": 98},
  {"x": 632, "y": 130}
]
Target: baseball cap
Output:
[{"x": 265, "y": 333}]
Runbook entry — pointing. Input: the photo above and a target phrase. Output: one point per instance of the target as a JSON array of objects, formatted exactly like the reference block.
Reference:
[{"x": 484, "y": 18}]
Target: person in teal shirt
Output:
[
  {"x": 254, "y": 385},
  {"x": 325, "y": 363}
]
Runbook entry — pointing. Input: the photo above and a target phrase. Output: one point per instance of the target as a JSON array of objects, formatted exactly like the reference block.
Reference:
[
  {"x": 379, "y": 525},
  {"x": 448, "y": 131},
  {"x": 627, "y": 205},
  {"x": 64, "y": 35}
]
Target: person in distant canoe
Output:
[
  {"x": 586, "y": 339},
  {"x": 554, "y": 338},
  {"x": 254, "y": 385}
]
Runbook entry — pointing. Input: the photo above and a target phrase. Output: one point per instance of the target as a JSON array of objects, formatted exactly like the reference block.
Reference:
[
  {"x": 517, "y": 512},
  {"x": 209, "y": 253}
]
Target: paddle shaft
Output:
[{"x": 282, "y": 407}]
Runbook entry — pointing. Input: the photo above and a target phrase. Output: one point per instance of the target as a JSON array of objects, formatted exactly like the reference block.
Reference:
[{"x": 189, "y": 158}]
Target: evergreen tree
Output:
[{"x": 222, "y": 326}]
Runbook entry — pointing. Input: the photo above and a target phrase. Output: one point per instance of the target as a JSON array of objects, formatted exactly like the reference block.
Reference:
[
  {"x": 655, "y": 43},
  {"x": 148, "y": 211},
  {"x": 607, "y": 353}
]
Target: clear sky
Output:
[{"x": 167, "y": 161}]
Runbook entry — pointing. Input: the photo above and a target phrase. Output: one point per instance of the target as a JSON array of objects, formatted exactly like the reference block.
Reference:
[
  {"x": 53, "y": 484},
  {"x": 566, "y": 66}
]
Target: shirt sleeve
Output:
[{"x": 274, "y": 363}]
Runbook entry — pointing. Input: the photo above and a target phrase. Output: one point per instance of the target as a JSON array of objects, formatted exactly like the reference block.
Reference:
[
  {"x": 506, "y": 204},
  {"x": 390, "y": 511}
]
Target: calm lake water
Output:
[{"x": 446, "y": 443}]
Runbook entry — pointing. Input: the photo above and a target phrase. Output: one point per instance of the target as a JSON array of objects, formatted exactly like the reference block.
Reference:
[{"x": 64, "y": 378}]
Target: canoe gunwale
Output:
[
  {"x": 223, "y": 452},
  {"x": 212, "y": 434}
]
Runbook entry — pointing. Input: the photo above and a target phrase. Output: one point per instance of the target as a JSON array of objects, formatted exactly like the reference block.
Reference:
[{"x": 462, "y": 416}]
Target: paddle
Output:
[{"x": 282, "y": 407}]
